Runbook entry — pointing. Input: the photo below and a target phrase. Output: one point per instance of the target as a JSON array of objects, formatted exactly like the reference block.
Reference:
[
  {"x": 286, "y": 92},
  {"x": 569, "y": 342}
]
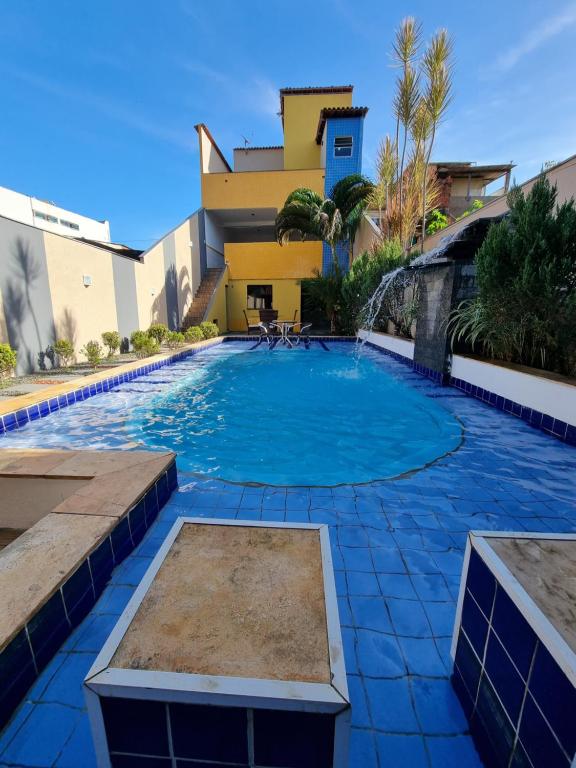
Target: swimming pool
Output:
[{"x": 318, "y": 416}]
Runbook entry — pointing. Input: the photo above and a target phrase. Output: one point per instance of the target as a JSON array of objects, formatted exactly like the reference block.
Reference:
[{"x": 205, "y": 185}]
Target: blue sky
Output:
[{"x": 99, "y": 97}]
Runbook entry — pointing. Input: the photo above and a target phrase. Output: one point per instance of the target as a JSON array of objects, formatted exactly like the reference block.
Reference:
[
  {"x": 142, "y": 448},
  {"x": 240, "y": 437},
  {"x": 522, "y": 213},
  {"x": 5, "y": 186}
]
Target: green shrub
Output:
[
  {"x": 210, "y": 330},
  {"x": 525, "y": 311},
  {"x": 138, "y": 338},
  {"x": 112, "y": 340},
  {"x": 174, "y": 339},
  {"x": 436, "y": 221},
  {"x": 476, "y": 205},
  {"x": 364, "y": 277},
  {"x": 7, "y": 360},
  {"x": 158, "y": 331},
  {"x": 93, "y": 352},
  {"x": 64, "y": 351},
  {"x": 194, "y": 334},
  {"x": 144, "y": 345}
]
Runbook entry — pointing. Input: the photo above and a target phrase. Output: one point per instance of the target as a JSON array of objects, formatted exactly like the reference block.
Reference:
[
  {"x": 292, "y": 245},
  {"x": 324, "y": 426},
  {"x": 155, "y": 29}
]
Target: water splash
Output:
[{"x": 399, "y": 279}]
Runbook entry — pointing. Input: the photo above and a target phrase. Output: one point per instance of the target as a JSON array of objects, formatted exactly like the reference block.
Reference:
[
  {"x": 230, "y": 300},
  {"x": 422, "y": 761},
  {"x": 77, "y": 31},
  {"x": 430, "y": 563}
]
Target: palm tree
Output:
[{"x": 334, "y": 219}]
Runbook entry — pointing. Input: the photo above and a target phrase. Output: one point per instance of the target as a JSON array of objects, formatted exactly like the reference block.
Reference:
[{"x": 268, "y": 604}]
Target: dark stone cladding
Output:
[
  {"x": 38, "y": 641},
  {"x": 19, "y": 418}
]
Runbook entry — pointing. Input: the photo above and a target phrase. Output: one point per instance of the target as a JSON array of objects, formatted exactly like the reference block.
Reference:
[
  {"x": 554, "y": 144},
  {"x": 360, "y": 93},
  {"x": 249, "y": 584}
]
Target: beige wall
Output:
[
  {"x": 258, "y": 159},
  {"x": 563, "y": 175},
  {"x": 59, "y": 305},
  {"x": 80, "y": 313}
]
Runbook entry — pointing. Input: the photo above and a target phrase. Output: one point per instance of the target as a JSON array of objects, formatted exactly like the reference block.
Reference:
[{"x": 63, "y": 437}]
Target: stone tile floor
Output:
[{"x": 398, "y": 549}]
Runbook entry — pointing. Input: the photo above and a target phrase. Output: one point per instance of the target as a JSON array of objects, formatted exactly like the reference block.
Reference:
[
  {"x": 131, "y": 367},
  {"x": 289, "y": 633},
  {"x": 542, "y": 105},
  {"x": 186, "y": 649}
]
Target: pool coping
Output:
[
  {"x": 51, "y": 575},
  {"x": 19, "y": 410}
]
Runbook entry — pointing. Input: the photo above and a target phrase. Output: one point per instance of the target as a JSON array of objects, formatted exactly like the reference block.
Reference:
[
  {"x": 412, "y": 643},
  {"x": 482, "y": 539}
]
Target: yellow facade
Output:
[
  {"x": 267, "y": 261},
  {"x": 285, "y": 297},
  {"x": 301, "y": 113},
  {"x": 218, "y": 310},
  {"x": 256, "y": 189}
]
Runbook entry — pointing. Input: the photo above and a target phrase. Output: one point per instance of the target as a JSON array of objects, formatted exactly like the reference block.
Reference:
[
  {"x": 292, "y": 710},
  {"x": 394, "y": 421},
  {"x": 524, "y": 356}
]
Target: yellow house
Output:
[{"x": 238, "y": 250}]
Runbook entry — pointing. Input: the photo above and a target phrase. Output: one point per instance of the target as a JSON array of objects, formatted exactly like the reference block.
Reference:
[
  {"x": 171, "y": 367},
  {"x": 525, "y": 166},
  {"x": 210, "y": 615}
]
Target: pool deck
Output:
[{"x": 397, "y": 547}]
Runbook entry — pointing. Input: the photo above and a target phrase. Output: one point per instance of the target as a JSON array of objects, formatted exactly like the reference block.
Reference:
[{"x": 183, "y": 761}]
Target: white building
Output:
[{"x": 46, "y": 215}]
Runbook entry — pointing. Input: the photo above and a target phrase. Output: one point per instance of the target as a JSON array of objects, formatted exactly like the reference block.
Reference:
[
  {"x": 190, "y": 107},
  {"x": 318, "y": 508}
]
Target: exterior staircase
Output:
[{"x": 197, "y": 312}]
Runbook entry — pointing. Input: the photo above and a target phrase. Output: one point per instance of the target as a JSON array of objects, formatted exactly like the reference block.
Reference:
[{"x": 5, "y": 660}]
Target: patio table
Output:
[{"x": 284, "y": 326}]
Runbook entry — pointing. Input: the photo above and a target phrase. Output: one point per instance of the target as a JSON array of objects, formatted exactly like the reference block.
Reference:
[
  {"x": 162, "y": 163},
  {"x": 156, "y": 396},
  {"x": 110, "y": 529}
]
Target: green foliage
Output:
[
  {"x": 93, "y": 352},
  {"x": 143, "y": 344},
  {"x": 111, "y": 339},
  {"x": 64, "y": 351},
  {"x": 7, "y": 360},
  {"x": 368, "y": 269},
  {"x": 210, "y": 330},
  {"x": 476, "y": 205},
  {"x": 174, "y": 339},
  {"x": 193, "y": 334},
  {"x": 158, "y": 331},
  {"x": 333, "y": 219},
  {"x": 436, "y": 221},
  {"x": 324, "y": 293},
  {"x": 525, "y": 311},
  {"x": 138, "y": 338}
]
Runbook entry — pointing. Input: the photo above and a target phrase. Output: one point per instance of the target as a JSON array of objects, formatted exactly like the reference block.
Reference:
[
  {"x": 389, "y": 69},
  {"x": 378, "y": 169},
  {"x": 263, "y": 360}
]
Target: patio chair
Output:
[
  {"x": 268, "y": 316},
  {"x": 252, "y": 326},
  {"x": 300, "y": 331}
]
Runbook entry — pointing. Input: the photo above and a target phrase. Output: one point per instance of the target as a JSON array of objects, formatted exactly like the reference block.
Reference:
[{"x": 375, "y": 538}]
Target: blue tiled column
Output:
[{"x": 339, "y": 167}]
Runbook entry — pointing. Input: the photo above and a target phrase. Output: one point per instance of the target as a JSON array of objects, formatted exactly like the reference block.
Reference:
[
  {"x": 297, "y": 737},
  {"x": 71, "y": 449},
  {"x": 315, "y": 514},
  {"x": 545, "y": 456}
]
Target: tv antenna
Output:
[{"x": 246, "y": 142}]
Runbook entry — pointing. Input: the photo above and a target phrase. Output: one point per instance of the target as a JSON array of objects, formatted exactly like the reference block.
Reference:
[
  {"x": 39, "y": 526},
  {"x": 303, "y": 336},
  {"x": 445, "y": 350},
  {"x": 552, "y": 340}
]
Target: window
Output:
[
  {"x": 45, "y": 217},
  {"x": 69, "y": 224},
  {"x": 259, "y": 297},
  {"x": 343, "y": 146}
]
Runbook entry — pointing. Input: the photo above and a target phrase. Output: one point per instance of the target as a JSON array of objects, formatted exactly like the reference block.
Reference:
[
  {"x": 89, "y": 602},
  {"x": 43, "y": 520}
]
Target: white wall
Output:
[
  {"x": 553, "y": 398},
  {"x": 400, "y": 346},
  {"x": 214, "y": 237},
  {"x": 257, "y": 159},
  {"x": 19, "y": 207}
]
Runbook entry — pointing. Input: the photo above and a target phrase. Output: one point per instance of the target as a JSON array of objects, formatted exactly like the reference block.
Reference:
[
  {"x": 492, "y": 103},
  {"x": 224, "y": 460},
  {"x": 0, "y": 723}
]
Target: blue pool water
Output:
[
  {"x": 397, "y": 547},
  {"x": 280, "y": 417}
]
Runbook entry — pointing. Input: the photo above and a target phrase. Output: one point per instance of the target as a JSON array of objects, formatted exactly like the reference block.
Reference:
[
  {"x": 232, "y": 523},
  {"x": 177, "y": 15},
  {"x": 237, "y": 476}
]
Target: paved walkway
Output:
[{"x": 398, "y": 549}]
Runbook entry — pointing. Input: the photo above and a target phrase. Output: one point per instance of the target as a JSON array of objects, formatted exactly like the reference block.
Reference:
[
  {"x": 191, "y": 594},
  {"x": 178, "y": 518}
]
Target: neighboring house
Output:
[
  {"x": 322, "y": 144},
  {"x": 463, "y": 183},
  {"x": 562, "y": 174},
  {"x": 45, "y": 215}
]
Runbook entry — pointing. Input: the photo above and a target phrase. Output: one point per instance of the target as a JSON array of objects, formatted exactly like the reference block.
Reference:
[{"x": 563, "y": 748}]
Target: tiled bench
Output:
[
  {"x": 514, "y": 648},
  {"x": 228, "y": 654}
]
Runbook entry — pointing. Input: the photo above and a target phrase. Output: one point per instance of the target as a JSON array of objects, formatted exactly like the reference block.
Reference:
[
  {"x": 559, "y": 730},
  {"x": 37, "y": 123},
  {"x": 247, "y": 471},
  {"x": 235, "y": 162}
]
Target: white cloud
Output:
[
  {"x": 545, "y": 31},
  {"x": 111, "y": 109},
  {"x": 246, "y": 93}
]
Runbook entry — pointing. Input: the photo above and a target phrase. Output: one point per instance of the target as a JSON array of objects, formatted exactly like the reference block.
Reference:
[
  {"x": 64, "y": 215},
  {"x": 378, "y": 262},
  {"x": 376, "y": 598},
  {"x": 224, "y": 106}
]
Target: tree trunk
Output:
[{"x": 425, "y": 185}]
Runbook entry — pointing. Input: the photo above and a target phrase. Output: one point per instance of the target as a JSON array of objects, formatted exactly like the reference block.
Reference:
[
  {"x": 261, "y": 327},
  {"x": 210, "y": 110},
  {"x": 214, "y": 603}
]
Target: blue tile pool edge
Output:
[
  {"x": 557, "y": 428},
  {"x": 36, "y": 643},
  {"x": 22, "y": 416}
]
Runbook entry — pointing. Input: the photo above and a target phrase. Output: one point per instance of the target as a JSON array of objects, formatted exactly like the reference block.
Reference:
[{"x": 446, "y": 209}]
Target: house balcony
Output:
[{"x": 256, "y": 189}]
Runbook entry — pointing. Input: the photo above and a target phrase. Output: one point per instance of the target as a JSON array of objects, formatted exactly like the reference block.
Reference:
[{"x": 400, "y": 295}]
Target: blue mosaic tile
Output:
[
  {"x": 437, "y": 707},
  {"x": 504, "y": 677},
  {"x": 538, "y": 739},
  {"x": 408, "y": 618},
  {"x": 370, "y": 613},
  {"x": 516, "y": 635},
  {"x": 378, "y": 655},
  {"x": 391, "y": 705},
  {"x": 453, "y": 752},
  {"x": 403, "y": 751},
  {"x": 555, "y": 696},
  {"x": 421, "y": 657},
  {"x": 363, "y": 751},
  {"x": 42, "y": 737}
]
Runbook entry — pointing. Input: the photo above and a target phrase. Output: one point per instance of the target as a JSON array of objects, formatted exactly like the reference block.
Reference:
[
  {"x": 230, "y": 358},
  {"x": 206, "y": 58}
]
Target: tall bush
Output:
[
  {"x": 209, "y": 330},
  {"x": 111, "y": 340},
  {"x": 525, "y": 311},
  {"x": 93, "y": 352},
  {"x": 64, "y": 351},
  {"x": 158, "y": 331}
]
